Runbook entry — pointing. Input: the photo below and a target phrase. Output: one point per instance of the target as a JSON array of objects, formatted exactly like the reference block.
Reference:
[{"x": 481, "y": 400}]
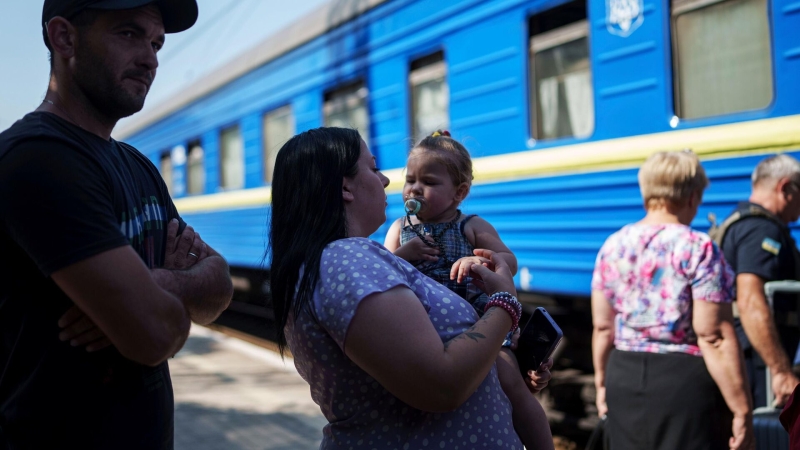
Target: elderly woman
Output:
[
  {"x": 668, "y": 368},
  {"x": 394, "y": 359}
]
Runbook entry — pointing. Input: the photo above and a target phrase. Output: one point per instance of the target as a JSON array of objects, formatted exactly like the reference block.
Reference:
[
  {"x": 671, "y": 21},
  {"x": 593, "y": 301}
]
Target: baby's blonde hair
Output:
[
  {"x": 448, "y": 152},
  {"x": 671, "y": 177}
]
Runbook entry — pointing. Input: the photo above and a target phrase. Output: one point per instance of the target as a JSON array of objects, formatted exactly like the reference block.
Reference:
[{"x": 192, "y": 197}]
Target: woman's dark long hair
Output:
[{"x": 307, "y": 213}]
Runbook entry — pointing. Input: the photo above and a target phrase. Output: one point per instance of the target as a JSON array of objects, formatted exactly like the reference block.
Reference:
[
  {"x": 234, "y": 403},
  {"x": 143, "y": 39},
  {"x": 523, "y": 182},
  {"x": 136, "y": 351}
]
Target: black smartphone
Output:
[{"x": 537, "y": 341}]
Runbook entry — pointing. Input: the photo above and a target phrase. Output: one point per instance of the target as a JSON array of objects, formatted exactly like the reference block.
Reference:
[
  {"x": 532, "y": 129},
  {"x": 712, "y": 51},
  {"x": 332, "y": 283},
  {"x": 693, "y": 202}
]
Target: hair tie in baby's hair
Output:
[{"x": 440, "y": 133}]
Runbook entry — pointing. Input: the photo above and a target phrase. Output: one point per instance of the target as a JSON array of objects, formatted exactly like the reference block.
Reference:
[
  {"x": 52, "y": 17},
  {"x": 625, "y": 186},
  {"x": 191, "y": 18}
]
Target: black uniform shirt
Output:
[
  {"x": 760, "y": 246},
  {"x": 67, "y": 195}
]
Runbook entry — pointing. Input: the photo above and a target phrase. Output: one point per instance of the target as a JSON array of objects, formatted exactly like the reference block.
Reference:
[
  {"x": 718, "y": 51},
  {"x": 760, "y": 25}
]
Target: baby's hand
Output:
[
  {"x": 416, "y": 250},
  {"x": 461, "y": 267},
  {"x": 537, "y": 380}
]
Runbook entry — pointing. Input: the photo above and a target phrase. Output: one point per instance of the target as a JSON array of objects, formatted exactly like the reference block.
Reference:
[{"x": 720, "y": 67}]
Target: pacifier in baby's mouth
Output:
[{"x": 414, "y": 205}]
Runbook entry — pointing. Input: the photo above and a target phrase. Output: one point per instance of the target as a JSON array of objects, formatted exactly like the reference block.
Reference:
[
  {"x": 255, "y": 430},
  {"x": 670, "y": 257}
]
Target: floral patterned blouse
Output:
[{"x": 651, "y": 274}]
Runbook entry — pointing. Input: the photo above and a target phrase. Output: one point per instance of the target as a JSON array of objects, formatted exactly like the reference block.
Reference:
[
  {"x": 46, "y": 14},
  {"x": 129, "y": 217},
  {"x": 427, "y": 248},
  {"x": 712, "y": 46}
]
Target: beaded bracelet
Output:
[
  {"x": 509, "y": 303},
  {"x": 508, "y": 298},
  {"x": 509, "y": 309}
]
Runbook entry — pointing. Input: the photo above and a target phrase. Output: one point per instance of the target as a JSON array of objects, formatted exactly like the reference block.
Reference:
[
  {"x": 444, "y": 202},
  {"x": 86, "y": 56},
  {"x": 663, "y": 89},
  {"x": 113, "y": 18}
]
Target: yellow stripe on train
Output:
[{"x": 721, "y": 141}]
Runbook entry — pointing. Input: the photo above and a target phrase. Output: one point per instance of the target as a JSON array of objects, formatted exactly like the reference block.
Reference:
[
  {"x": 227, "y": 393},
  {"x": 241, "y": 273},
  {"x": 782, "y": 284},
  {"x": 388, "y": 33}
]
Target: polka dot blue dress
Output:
[{"x": 361, "y": 413}]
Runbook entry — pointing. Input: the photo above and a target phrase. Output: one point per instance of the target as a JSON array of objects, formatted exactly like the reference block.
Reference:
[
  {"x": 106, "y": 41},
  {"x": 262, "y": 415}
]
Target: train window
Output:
[
  {"x": 722, "y": 56},
  {"x": 278, "y": 128},
  {"x": 165, "y": 163},
  {"x": 195, "y": 169},
  {"x": 347, "y": 107},
  {"x": 231, "y": 158},
  {"x": 561, "y": 75},
  {"x": 429, "y": 95}
]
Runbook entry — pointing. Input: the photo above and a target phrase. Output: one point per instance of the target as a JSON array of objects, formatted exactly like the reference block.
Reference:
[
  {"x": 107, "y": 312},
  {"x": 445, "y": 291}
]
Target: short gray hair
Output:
[{"x": 775, "y": 168}]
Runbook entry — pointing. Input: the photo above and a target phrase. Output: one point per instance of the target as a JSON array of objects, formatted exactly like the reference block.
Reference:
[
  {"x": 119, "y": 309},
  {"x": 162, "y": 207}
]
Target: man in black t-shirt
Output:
[
  {"x": 99, "y": 276},
  {"x": 760, "y": 248}
]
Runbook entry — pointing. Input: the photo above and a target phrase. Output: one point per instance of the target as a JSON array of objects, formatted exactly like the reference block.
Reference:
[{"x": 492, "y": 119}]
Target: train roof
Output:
[{"x": 312, "y": 25}]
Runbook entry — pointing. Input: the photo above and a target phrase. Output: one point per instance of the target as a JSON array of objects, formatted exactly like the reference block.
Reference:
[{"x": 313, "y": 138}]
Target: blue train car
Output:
[{"x": 558, "y": 101}]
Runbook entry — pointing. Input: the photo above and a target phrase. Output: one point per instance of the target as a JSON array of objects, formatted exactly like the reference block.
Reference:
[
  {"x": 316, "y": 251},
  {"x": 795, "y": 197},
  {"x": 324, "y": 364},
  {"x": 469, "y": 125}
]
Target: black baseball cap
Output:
[{"x": 178, "y": 15}]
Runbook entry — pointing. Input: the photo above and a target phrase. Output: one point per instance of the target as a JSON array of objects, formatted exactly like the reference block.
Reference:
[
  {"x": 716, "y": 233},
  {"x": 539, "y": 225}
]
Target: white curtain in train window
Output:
[
  {"x": 278, "y": 128},
  {"x": 195, "y": 170},
  {"x": 347, "y": 108},
  {"x": 232, "y": 159},
  {"x": 548, "y": 104},
  {"x": 430, "y": 101},
  {"x": 723, "y": 58},
  {"x": 564, "y": 96},
  {"x": 359, "y": 120},
  {"x": 580, "y": 102}
]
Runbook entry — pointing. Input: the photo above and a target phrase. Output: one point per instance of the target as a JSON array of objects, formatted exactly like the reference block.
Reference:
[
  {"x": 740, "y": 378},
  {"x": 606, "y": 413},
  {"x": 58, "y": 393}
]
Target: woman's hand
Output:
[
  {"x": 600, "y": 401},
  {"x": 603, "y": 316},
  {"x": 716, "y": 337},
  {"x": 417, "y": 250},
  {"x": 461, "y": 268},
  {"x": 498, "y": 278},
  {"x": 742, "y": 438}
]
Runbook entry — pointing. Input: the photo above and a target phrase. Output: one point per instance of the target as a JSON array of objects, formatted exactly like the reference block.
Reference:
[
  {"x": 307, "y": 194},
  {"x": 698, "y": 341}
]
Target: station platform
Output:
[
  {"x": 231, "y": 394},
  {"x": 235, "y": 395}
]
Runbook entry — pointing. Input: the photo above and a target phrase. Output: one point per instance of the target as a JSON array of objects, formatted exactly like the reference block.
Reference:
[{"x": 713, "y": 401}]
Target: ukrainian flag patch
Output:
[{"x": 771, "y": 245}]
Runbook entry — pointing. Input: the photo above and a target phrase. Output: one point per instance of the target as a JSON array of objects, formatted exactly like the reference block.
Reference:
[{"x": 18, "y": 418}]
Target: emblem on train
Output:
[{"x": 623, "y": 17}]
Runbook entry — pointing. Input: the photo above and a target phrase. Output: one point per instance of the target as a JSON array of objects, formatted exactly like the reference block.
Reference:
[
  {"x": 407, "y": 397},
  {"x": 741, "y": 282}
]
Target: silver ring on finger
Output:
[{"x": 192, "y": 254}]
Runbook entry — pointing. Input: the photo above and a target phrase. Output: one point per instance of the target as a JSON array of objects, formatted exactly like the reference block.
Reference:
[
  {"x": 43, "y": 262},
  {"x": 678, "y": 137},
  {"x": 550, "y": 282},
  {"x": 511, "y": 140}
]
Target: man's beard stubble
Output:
[{"x": 106, "y": 94}]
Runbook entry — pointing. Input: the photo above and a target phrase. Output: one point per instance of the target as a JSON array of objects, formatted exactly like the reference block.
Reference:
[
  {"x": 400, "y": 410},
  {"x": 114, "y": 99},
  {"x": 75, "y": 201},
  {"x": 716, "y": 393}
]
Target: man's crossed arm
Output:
[
  {"x": 199, "y": 276},
  {"x": 193, "y": 273}
]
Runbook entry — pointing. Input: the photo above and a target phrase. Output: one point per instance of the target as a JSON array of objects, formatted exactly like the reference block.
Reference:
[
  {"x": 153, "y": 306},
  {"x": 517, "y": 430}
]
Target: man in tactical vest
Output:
[{"x": 758, "y": 244}]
